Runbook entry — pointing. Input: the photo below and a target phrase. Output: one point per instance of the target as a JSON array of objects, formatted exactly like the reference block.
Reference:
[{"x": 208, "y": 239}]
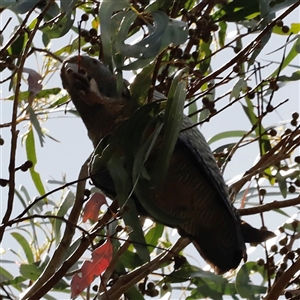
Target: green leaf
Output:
[
  {"x": 203, "y": 53},
  {"x": 192, "y": 108},
  {"x": 20, "y": 6},
  {"x": 16, "y": 282},
  {"x": 294, "y": 77},
  {"x": 129, "y": 260},
  {"x": 46, "y": 39},
  {"x": 264, "y": 140},
  {"x": 60, "y": 101},
  {"x": 222, "y": 33},
  {"x": 238, "y": 10},
  {"x": 151, "y": 45},
  {"x": 153, "y": 235},
  {"x": 68, "y": 49},
  {"x": 67, "y": 6},
  {"x": 159, "y": 5},
  {"x": 21, "y": 96},
  {"x": 279, "y": 5},
  {"x": 244, "y": 285},
  {"x": 267, "y": 15},
  {"x": 288, "y": 225},
  {"x": 138, "y": 64},
  {"x": 60, "y": 27},
  {"x": 141, "y": 84},
  {"x": 30, "y": 271},
  {"x": 140, "y": 155},
  {"x": 282, "y": 184},
  {"x": 262, "y": 44},
  {"x": 46, "y": 93},
  {"x": 294, "y": 28},
  {"x": 133, "y": 293},
  {"x": 31, "y": 155},
  {"x": 188, "y": 272},
  {"x": 5, "y": 275},
  {"x": 162, "y": 33},
  {"x": 172, "y": 126},
  {"x": 227, "y": 134},
  {"x": 105, "y": 12},
  {"x": 123, "y": 185},
  {"x": 239, "y": 86},
  {"x": 66, "y": 203},
  {"x": 18, "y": 45},
  {"x": 25, "y": 246},
  {"x": 206, "y": 288},
  {"x": 294, "y": 52},
  {"x": 36, "y": 124},
  {"x": 122, "y": 32}
]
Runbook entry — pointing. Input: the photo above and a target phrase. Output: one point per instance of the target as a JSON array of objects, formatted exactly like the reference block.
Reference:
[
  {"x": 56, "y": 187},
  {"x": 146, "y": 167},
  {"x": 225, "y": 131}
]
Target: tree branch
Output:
[
  {"x": 14, "y": 131},
  {"x": 125, "y": 282},
  {"x": 76, "y": 255},
  {"x": 278, "y": 286},
  {"x": 66, "y": 240},
  {"x": 269, "y": 206}
]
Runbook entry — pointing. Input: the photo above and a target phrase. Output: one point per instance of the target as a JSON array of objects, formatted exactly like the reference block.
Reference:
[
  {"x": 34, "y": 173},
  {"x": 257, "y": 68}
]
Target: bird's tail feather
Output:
[{"x": 253, "y": 235}]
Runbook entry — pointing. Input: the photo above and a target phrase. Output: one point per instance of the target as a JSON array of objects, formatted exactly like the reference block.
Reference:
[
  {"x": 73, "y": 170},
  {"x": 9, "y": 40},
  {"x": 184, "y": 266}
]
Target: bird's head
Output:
[{"x": 93, "y": 90}]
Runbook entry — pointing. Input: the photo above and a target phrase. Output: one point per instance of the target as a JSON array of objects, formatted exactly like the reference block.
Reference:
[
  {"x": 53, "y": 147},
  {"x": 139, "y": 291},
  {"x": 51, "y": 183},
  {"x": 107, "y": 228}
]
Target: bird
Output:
[{"x": 194, "y": 191}]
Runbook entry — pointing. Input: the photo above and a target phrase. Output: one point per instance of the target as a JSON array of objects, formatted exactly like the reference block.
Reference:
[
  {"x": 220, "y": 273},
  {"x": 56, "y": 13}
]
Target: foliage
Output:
[{"x": 175, "y": 55}]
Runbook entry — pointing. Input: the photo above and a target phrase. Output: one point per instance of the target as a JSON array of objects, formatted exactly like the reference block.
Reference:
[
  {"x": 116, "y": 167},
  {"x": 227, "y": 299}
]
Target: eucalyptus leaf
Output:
[
  {"x": 105, "y": 12},
  {"x": 141, "y": 84},
  {"x": 244, "y": 285},
  {"x": 25, "y": 246},
  {"x": 4, "y": 274},
  {"x": 228, "y": 134},
  {"x": 294, "y": 77},
  {"x": 122, "y": 184},
  {"x": 61, "y": 27},
  {"x": 162, "y": 33},
  {"x": 239, "y": 86},
  {"x": 282, "y": 184},
  {"x": 65, "y": 205},
  {"x": 293, "y": 53},
  {"x": 36, "y": 124},
  {"x": 67, "y": 6},
  {"x": 151, "y": 45},
  {"x": 31, "y": 155},
  {"x": 172, "y": 125},
  {"x": 20, "y": 6}
]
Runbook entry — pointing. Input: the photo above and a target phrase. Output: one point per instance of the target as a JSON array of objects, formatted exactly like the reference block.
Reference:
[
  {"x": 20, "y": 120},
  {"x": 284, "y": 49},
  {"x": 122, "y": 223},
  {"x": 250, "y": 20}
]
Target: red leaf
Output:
[
  {"x": 92, "y": 207},
  {"x": 101, "y": 258}
]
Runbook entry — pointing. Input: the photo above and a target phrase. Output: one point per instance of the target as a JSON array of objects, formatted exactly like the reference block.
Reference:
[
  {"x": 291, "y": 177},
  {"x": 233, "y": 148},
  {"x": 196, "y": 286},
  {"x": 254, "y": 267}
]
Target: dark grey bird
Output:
[{"x": 194, "y": 190}]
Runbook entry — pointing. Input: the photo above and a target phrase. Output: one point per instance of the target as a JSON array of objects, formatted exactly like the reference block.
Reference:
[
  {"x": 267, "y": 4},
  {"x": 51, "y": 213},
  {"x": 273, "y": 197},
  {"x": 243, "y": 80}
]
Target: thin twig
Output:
[
  {"x": 250, "y": 47},
  {"x": 46, "y": 195},
  {"x": 14, "y": 132},
  {"x": 34, "y": 216}
]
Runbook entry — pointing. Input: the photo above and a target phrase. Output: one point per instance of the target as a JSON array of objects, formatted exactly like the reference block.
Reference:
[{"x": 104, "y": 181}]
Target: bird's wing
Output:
[{"x": 196, "y": 148}]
